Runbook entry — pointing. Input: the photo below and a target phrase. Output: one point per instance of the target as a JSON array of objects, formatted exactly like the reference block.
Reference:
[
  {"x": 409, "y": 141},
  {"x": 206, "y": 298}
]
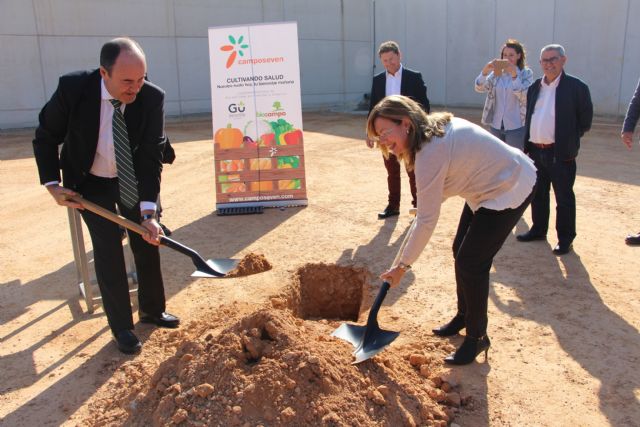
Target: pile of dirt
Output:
[
  {"x": 250, "y": 264},
  {"x": 244, "y": 366}
]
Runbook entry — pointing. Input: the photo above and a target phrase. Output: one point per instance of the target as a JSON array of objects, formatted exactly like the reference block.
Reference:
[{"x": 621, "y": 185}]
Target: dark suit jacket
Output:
[
  {"x": 633, "y": 112},
  {"x": 72, "y": 118},
  {"x": 411, "y": 85},
  {"x": 574, "y": 112}
]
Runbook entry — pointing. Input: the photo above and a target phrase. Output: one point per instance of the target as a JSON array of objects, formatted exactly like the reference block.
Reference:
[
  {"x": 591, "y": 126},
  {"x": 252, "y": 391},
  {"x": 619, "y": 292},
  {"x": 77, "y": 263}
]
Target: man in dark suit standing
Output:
[
  {"x": 628, "y": 127},
  {"x": 396, "y": 80},
  {"x": 559, "y": 112},
  {"x": 110, "y": 122}
]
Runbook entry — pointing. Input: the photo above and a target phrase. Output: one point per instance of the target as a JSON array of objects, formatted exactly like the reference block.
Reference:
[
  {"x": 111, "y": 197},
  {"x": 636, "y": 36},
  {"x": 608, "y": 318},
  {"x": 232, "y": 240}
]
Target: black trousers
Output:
[
  {"x": 561, "y": 175},
  {"x": 479, "y": 237},
  {"x": 109, "y": 261},
  {"x": 393, "y": 182}
]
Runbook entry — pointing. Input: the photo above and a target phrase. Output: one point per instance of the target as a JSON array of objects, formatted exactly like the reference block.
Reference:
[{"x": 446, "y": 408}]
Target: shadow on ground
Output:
[
  {"x": 208, "y": 235},
  {"x": 598, "y": 339}
]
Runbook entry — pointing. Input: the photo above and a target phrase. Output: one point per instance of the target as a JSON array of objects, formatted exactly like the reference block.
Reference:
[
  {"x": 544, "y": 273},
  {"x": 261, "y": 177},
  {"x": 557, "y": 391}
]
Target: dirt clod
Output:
[
  {"x": 250, "y": 264},
  {"x": 204, "y": 390},
  {"x": 417, "y": 359}
]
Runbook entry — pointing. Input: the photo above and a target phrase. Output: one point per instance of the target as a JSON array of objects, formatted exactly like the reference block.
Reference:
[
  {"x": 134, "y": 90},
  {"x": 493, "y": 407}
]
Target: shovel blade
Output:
[
  {"x": 215, "y": 267},
  {"x": 367, "y": 340},
  {"x": 350, "y": 333},
  {"x": 374, "y": 343}
]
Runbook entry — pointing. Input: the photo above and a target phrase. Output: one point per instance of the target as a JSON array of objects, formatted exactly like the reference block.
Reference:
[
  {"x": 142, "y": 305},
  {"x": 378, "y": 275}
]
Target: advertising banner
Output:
[{"x": 257, "y": 116}]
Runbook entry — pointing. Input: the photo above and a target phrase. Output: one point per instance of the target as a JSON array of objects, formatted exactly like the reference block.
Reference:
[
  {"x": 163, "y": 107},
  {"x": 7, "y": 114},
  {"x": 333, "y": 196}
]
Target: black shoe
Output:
[
  {"x": 469, "y": 350},
  {"x": 127, "y": 342},
  {"x": 633, "y": 239},
  {"x": 388, "y": 212},
  {"x": 562, "y": 248},
  {"x": 530, "y": 237},
  {"x": 164, "y": 320},
  {"x": 167, "y": 232},
  {"x": 451, "y": 328}
]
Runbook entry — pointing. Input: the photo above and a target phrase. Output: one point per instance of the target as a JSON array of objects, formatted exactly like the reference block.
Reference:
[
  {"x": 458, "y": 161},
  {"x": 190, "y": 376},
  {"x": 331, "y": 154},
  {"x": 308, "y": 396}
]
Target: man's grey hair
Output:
[{"x": 557, "y": 47}]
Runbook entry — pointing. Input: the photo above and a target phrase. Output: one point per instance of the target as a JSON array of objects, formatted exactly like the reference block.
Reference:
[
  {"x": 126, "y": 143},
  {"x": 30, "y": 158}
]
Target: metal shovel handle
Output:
[
  {"x": 373, "y": 313},
  {"x": 382, "y": 293},
  {"x": 177, "y": 246},
  {"x": 404, "y": 243}
]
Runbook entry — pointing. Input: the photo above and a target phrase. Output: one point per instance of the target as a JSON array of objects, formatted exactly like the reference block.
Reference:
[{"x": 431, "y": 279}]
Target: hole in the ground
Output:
[{"x": 328, "y": 291}]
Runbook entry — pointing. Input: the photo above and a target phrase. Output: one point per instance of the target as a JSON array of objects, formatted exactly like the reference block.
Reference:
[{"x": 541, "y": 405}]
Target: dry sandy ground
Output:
[{"x": 565, "y": 343}]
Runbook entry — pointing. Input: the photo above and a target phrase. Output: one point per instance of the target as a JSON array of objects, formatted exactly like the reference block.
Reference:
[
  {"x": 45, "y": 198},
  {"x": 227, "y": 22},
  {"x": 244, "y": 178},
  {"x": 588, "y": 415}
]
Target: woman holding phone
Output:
[{"x": 506, "y": 81}]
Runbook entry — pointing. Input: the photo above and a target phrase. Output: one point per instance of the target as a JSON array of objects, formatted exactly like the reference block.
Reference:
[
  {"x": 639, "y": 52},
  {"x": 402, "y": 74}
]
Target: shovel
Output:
[
  {"x": 370, "y": 339},
  {"x": 209, "y": 268}
]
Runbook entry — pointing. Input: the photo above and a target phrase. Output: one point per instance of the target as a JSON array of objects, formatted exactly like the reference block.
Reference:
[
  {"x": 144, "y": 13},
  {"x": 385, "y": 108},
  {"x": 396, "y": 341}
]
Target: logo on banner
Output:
[
  {"x": 276, "y": 112},
  {"x": 236, "y": 108},
  {"x": 235, "y": 48}
]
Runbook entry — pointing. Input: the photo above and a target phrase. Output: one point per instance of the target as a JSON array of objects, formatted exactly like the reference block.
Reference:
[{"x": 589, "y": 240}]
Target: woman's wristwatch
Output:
[{"x": 404, "y": 266}]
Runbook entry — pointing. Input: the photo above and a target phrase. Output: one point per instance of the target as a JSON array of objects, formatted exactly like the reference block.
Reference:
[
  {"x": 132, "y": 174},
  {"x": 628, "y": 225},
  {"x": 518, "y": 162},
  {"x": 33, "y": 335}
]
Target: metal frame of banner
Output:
[{"x": 267, "y": 204}]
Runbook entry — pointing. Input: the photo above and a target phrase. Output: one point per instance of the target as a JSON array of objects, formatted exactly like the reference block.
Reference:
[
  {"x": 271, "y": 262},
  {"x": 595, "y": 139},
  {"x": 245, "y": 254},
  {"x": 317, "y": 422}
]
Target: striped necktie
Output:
[{"x": 124, "y": 161}]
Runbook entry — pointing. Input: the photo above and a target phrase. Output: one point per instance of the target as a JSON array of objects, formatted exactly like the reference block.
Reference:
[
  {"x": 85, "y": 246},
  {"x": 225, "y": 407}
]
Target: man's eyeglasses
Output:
[{"x": 549, "y": 60}]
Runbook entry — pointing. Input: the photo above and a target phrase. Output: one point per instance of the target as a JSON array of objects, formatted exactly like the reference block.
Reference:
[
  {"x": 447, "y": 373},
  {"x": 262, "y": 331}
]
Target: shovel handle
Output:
[
  {"x": 382, "y": 293},
  {"x": 177, "y": 246},
  {"x": 105, "y": 213},
  {"x": 404, "y": 243}
]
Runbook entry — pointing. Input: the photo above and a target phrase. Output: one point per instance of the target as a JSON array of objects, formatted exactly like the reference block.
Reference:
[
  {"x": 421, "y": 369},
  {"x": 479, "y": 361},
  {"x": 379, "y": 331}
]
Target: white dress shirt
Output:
[
  {"x": 543, "y": 119},
  {"x": 394, "y": 83},
  {"x": 104, "y": 162}
]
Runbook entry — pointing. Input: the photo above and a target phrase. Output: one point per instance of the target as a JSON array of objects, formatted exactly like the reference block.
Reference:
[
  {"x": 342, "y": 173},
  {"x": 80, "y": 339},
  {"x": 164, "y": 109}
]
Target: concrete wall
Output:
[
  {"x": 42, "y": 39},
  {"x": 448, "y": 40}
]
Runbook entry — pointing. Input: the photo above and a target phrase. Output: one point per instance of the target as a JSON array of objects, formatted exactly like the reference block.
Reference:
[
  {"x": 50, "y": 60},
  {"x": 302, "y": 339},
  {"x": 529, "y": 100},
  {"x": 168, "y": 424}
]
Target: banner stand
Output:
[
  {"x": 256, "y": 114},
  {"x": 239, "y": 210}
]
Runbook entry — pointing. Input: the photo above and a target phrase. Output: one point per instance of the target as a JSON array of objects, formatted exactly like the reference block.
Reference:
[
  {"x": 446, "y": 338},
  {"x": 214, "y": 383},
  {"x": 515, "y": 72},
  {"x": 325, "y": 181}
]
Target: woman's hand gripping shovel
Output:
[
  {"x": 209, "y": 268},
  {"x": 369, "y": 339}
]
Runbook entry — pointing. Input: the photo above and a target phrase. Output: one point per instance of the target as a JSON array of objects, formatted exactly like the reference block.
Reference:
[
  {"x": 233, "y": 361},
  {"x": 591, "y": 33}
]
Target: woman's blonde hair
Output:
[{"x": 422, "y": 127}]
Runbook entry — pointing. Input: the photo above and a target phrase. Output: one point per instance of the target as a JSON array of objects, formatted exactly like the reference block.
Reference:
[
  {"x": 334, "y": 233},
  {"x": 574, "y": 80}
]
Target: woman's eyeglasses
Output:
[{"x": 383, "y": 135}]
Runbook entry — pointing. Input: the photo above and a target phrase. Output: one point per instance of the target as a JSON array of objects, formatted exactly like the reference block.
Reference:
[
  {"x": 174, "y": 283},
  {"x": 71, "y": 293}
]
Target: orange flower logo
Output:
[{"x": 236, "y": 48}]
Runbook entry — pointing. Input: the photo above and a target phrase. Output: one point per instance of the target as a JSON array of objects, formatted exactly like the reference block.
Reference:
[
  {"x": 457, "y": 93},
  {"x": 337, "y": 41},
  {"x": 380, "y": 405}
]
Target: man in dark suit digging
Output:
[{"x": 110, "y": 122}]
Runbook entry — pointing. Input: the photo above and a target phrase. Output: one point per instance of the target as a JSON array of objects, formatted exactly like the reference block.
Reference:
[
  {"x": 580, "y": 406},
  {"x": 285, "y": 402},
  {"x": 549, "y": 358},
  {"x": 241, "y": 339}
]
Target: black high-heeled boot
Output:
[
  {"x": 469, "y": 350},
  {"x": 451, "y": 328}
]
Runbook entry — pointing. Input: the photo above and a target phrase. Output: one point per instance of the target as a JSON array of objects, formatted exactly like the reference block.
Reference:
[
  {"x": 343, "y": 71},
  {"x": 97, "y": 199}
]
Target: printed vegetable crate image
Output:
[{"x": 267, "y": 168}]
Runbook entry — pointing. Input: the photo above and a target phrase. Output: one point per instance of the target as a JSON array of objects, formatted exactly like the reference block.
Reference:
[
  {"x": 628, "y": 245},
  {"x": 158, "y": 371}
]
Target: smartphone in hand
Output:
[{"x": 499, "y": 65}]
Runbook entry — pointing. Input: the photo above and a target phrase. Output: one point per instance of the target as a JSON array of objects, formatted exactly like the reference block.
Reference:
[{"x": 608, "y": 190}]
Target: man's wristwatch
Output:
[
  {"x": 146, "y": 217},
  {"x": 404, "y": 266}
]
